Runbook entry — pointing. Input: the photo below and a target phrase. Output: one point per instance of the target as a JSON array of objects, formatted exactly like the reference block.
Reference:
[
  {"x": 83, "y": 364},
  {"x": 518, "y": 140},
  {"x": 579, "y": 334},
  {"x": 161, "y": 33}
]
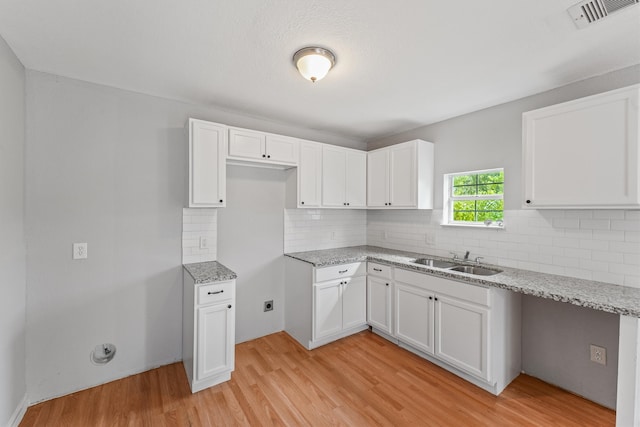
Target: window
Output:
[{"x": 474, "y": 198}]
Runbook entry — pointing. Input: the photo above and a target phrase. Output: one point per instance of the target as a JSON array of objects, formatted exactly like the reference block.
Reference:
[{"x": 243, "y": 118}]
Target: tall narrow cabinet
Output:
[{"x": 207, "y": 164}]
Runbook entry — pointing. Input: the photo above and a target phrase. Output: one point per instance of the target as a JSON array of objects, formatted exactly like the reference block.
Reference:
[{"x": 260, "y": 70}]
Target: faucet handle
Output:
[
  {"x": 455, "y": 255},
  {"x": 478, "y": 258}
]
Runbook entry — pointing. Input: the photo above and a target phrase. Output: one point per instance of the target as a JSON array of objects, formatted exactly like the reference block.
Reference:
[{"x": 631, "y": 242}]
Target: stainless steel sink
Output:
[
  {"x": 430, "y": 262},
  {"x": 478, "y": 271}
]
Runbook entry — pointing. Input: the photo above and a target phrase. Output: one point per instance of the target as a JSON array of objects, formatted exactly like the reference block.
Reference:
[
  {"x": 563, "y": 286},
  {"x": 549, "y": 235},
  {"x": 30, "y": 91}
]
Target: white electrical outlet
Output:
[
  {"x": 598, "y": 354},
  {"x": 430, "y": 239},
  {"x": 333, "y": 235},
  {"x": 79, "y": 251},
  {"x": 385, "y": 236},
  {"x": 204, "y": 242}
]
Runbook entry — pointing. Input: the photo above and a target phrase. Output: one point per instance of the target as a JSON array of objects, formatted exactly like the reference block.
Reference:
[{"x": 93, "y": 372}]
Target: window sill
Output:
[{"x": 478, "y": 226}]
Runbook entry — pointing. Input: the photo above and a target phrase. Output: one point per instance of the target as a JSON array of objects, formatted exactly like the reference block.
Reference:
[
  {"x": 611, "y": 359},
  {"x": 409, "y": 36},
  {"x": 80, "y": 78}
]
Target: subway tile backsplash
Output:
[
  {"x": 198, "y": 223},
  {"x": 589, "y": 244},
  {"x": 601, "y": 245},
  {"x": 311, "y": 229}
]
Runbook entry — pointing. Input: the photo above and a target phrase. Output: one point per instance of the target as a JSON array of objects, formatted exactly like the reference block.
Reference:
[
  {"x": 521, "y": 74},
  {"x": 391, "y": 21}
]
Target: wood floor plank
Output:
[{"x": 362, "y": 380}]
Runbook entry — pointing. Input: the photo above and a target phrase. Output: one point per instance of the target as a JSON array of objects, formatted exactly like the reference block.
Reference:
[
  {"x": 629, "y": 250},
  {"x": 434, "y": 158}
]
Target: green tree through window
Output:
[{"x": 475, "y": 197}]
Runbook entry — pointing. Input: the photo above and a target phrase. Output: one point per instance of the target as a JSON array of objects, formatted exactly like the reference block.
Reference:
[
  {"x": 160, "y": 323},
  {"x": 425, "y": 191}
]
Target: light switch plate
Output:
[
  {"x": 79, "y": 251},
  {"x": 204, "y": 242}
]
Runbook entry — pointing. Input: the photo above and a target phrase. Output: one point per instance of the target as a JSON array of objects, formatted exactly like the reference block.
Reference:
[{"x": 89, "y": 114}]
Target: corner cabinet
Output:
[
  {"x": 401, "y": 176},
  {"x": 344, "y": 182},
  {"x": 309, "y": 175},
  {"x": 208, "y": 336},
  {"x": 379, "y": 297},
  {"x": 324, "y": 304},
  {"x": 583, "y": 153},
  {"x": 207, "y": 164}
]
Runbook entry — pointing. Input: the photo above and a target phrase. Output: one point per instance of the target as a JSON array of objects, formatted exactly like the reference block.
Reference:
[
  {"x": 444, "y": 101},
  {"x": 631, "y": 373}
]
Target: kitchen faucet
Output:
[{"x": 466, "y": 256}]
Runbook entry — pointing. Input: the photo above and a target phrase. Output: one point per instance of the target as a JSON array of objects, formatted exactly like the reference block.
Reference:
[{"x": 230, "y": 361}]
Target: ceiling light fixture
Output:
[{"x": 314, "y": 62}]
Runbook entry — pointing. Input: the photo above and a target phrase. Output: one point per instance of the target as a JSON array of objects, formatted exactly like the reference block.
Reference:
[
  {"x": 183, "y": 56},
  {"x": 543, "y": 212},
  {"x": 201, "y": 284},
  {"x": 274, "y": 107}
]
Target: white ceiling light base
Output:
[{"x": 314, "y": 62}]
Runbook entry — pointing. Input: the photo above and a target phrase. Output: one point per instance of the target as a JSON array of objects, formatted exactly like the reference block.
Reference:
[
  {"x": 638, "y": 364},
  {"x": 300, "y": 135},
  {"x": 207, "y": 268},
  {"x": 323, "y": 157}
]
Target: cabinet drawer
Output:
[
  {"x": 379, "y": 270},
  {"x": 339, "y": 271},
  {"x": 215, "y": 292},
  {"x": 464, "y": 291}
]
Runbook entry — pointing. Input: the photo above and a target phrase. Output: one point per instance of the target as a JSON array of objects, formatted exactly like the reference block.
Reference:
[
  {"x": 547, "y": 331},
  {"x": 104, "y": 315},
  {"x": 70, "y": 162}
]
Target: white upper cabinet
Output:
[
  {"x": 343, "y": 177},
  {"x": 310, "y": 175},
  {"x": 378, "y": 178},
  {"x": 245, "y": 144},
  {"x": 583, "y": 153},
  {"x": 207, "y": 167},
  {"x": 401, "y": 176},
  {"x": 282, "y": 149}
]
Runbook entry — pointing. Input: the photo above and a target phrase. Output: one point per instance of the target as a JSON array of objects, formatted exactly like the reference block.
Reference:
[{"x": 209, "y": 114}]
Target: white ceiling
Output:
[{"x": 400, "y": 64}]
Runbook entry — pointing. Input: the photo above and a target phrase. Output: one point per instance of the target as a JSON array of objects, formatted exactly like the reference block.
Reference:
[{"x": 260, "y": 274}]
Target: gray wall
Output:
[
  {"x": 12, "y": 240},
  {"x": 492, "y": 138},
  {"x": 250, "y": 242},
  {"x": 108, "y": 167},
  {"x": 556, "y": 348}
]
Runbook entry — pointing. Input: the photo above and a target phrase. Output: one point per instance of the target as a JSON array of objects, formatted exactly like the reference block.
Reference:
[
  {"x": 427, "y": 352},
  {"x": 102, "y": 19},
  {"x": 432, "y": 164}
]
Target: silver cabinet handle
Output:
[
  {"x": 216, "y": 292},
  {"x": 342, "y": 272},
  {"x": 377, "y": 269}
]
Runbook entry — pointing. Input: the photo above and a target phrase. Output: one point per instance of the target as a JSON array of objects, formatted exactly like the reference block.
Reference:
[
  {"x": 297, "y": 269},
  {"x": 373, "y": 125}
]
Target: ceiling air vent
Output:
[{"x": 590, "y": 11}]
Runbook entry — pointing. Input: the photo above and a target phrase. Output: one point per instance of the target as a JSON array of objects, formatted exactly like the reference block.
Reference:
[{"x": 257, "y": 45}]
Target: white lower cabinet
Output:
[
  {"x": 215, "y": 340},
  {"x": 379, "y": 303},
  {"x": 324, "y": 304},
  {"x": 327, "y": 309},
  {"x": 470, "y": 330},
  {"x": 208, "y": 334},
  {"x": 461, "y": 335},
  {"x": 414, "y": 317},
  {"x": 354, "y": 302},
  {"x": 339, "y": 305}
]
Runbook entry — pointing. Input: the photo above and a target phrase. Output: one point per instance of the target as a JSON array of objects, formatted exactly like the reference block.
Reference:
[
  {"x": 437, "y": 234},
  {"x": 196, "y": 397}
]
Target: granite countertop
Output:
[
  {"x": 210, "y": 271},
  {"x": 601, "y": 296}
]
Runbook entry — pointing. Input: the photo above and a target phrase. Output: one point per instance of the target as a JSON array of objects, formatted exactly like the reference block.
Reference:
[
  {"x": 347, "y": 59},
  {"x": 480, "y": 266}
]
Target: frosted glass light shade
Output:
[{"x": 314, "y": 62}]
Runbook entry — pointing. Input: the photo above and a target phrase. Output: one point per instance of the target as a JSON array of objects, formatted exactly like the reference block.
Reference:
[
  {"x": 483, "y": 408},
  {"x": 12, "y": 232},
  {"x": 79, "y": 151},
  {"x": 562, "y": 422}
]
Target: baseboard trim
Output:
[{"x": 19, "y": 412}]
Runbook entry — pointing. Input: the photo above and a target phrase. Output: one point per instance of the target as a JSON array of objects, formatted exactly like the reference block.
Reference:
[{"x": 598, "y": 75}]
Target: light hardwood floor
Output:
[{"x": 361, "y": 380}]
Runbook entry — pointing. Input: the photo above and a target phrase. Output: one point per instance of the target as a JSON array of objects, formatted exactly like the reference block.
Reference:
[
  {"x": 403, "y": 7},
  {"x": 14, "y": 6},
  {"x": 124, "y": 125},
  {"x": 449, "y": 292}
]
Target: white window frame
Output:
[{"x": 449, "y": 198}]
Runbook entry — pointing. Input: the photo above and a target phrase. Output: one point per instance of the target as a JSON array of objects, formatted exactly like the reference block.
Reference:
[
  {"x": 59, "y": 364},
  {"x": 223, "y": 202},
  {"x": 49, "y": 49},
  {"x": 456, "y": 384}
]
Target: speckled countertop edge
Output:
[
  {"x": 210, "y": 271},
  {"x": 617, "y": 299}
]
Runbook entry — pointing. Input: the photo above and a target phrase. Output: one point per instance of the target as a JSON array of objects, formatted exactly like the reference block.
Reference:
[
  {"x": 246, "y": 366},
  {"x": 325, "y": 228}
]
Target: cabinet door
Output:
[
  {"x": 247, "y": 144},
  {"x": 216, "y": 339},
  {"x": 583, "y": 153},
  {"x": 310, "y": 175},
  {"x": 402, "y": 175},
  {"x": 354, "y": 302},
  {"x": 327, "y": 309},
  {"x": 334, "y": 166},
  {"x": 462, "y": 335},
  {"x": 378, "y": 178},
  {"x": 379, "y": 303},
  {"x": 207, "y": 166},
  {"x": 356, "y": 177},
  {"x": 282, "y": 149},
  {"x": 414, "y": 317}
]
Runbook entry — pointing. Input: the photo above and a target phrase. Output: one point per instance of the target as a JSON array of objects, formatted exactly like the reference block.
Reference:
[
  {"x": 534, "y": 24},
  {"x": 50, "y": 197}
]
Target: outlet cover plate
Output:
[
  {"x": 79, "y": 251},
  {"x": 598, "y": 354}
]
